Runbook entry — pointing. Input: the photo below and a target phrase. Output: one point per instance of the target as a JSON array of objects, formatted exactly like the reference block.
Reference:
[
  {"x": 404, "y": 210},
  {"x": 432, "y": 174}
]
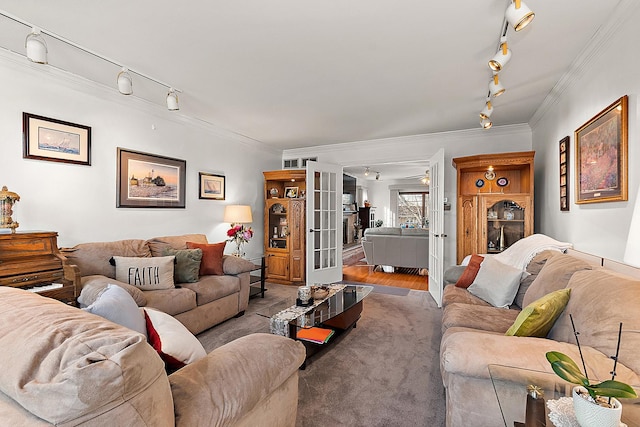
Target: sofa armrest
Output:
[
  {"x": 233, "y": 379},
  {"x": 235, "y": 265}
]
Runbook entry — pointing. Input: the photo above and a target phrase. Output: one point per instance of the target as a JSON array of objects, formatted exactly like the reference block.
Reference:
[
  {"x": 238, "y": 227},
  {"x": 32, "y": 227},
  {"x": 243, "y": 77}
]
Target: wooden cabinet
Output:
[
  {"x": 32, "y": 261},
  {"x": 495, "y": 201},
  {"x": 284, "y": 225}
]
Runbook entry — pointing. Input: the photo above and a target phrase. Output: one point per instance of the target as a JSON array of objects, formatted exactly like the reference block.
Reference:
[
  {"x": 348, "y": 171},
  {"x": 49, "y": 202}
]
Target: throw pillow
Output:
[
  {"x": 117, "y": 305},
  {"x": 496, "y": 283},
  {"x": 92, "y": 287},
  {"x": 147, "y": 274},
  {"x": 537, "y": 319},
  {"x": 470, "y": 272},
  {"x": 172, "y": 340},
  {"x": 533, "y": 268},
  {"x": 211, "y": 257},
  {"x": 187, "y": 265}
]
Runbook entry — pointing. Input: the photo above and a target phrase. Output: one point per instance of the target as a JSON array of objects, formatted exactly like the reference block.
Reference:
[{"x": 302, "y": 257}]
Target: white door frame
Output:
[{"x": 436, "y": 226}]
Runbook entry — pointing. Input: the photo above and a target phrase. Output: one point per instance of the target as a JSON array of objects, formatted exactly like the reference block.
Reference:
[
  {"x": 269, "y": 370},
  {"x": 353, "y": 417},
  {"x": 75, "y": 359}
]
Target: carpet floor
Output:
[{"x": 385, "y": 372}]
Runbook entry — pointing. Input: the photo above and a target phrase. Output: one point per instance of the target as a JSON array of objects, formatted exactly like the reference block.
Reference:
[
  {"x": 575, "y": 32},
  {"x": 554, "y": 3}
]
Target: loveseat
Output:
[
  {"x": 199, "y": 305},
  {"x": 397, "y": 247},
  {"x": 474, "y": 333},
  {"x": 63, "y": 366}
]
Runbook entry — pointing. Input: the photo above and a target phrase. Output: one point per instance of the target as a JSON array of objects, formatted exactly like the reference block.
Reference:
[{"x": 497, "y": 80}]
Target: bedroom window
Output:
[{"x": 413, "y": 209}]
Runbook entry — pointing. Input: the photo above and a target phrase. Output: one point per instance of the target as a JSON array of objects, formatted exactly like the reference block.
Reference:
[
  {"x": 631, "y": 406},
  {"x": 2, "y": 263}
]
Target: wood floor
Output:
[{"x": 361, "y": 272}]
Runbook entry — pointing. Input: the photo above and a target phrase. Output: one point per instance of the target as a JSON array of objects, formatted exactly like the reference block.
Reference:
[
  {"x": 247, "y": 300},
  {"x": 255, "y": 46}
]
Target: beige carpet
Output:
[{"x": 385, "y": 372}]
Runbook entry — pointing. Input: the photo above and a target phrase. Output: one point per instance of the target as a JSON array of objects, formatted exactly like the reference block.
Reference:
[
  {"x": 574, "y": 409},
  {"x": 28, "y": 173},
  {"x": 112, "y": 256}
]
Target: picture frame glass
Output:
[
  {"x": 55, "y": 140},
  {"x": 212, "y": 186}
]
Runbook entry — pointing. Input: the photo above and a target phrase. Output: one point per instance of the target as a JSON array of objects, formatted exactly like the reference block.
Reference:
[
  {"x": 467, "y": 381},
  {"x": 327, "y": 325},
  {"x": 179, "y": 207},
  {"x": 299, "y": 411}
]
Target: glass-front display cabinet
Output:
[{"x": 505, "y": 221}]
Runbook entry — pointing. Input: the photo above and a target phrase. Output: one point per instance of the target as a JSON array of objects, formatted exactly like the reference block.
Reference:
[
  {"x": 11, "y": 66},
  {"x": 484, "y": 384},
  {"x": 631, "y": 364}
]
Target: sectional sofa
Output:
[
  {"x": 602, "y": 294},
  {"x": 397, "y": 247}
]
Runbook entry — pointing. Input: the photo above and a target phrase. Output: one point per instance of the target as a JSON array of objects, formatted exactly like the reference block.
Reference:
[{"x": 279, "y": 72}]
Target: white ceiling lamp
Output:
[
  {"x": 36, "y": 47},
  {"x": 125, "y": 83},
  {"x": 495, "y": 87},
  {"x": 519, "y": 15},
  {"x": 487, "y": 110},
  {"x": 426, "y": 179},
  {"x": 172, "y": 100},
  {"x": 366, "y": 171},
  {"x": 486, "y": 123},
  {"x": 377, "y": 176},
  {"x": 502, "y": 56}
]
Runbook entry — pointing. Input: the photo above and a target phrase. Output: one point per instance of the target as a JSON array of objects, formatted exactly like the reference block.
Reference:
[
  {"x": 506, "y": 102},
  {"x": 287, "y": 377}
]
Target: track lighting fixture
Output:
[
  {"x": 377, "y": 176},
  {"x": 426, "y": 179},
  {"x": 36, "y": 47},
  {"x": 172, "y": 100},
  {"x": 125, "y": 83},
  {"x": 366, "y": 171},
  {"x": 519, "y": 15},
  {"x": 486, "y": 123},
  {"x": 495, "y": 87},
  {"x": 502, "y": 56},
  {"x": 487, "y": 110}
]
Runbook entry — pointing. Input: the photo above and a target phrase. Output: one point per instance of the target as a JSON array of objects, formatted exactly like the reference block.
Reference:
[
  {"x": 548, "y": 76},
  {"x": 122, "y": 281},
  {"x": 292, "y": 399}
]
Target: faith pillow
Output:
[
  {"x": 147, "y": 273},
  {"x": 496, "y": 283}
]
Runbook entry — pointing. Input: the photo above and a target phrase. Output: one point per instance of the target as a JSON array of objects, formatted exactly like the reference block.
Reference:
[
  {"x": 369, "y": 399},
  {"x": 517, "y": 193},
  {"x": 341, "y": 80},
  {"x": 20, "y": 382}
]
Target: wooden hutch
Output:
[
  {"x": 284, "y": 225},
  {"x": 495, "y": 201}
]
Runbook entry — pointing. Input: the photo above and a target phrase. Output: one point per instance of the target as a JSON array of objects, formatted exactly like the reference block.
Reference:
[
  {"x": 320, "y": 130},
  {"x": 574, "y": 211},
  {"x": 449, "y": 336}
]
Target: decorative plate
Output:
[
  {"x": 480, "y": 183},
  {"x": 502, "y": 182},
  {"x": 490, "y": 175}
]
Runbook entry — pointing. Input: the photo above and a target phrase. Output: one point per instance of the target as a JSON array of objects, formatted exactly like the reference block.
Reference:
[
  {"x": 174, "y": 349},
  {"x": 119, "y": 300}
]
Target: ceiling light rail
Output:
[
  {"x": 518, "y": 15},
  {"x": 37, "y": 50}
]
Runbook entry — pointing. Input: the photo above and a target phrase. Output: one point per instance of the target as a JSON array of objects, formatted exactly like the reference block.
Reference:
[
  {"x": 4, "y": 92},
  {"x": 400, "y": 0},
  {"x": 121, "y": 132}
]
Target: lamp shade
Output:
[
  {"x": 495, "y": 87},
  {"x": 486, "y": 111},
  {"x": 237, "y": 214},
  {"x": 502, "y": 56},
  {"x": 519, "y": 15},
  {"x": 36, "y": 47},
  {"x": 632, "y": 252},
  {"x": 125, "y": 83},
  {"x": 172, "y": 100}
]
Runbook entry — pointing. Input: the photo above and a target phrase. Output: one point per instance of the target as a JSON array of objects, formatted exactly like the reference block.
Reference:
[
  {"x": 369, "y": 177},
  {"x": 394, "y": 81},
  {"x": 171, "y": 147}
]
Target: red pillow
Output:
[
  {"x": 211, "y": 257},
  {"x": 470, "y": 273}
]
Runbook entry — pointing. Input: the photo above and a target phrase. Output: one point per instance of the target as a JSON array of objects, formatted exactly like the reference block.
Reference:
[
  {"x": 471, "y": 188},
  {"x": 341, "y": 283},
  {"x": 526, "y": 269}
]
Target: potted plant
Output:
[{"x": 595, "y": 404}]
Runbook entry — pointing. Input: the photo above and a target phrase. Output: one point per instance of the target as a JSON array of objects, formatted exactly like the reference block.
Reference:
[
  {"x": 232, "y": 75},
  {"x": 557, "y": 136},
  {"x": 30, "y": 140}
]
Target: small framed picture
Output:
[
  {"x": 55, "y": 140},
  {"x": 291, "y": 192},
  {"x": 564, "y": 171},
  {"x": 211, "y": 186}
]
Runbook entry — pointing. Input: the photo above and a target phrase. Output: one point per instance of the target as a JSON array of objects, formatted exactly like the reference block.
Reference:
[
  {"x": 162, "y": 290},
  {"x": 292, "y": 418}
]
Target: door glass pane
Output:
[
  {"x": 413, "y": 209},
  {"x": 505, "y": 225}
]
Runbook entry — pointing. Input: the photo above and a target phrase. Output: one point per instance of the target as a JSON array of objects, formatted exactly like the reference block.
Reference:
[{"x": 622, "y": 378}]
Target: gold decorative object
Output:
[{"x": 7, "y": 199}]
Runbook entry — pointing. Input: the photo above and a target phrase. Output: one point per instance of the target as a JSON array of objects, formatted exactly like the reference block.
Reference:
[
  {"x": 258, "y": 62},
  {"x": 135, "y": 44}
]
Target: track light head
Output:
[
  {"x": 366, "y": 171},
  {"x": 125, "y": 83},
  {"x": 487, "y": 110},
  {"x": 36, "y": 47},
  {"x": 172, "y": 100},
  {"x": 377, "y": 176},
  {"x": 486, "y": 123},
  {"x": 519, "y": 15},
  {"x": 495, "y": 87},
  {"x": 502, "y": 56}
]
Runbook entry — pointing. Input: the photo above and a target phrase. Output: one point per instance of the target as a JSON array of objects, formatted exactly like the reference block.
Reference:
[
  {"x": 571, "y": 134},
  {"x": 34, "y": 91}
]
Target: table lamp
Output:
[{"x": 237, "y": 216}]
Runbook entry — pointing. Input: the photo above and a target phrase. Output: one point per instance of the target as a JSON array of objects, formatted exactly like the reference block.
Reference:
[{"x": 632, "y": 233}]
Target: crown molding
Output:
[{"x": 597, "y": 43}]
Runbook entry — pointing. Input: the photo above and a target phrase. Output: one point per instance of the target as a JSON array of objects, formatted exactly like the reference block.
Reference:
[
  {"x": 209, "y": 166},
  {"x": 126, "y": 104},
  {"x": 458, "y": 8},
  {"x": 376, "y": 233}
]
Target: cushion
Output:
[
  {"x": 187, "y": 267},
  {"x": 470, "y": 272},
  {"x": 496, "y": 283},
  {"x": 92, "y": 286},
  {"x": 533, "y": 268},
  {"x": 145, "y": 273},
  {"x": 157, "y": 245},
  {"x": 537, "y": 319},
  {"x": 236, "y": 265},
  {"x": 172, "y": 340},
  {"x": 211, "y": 257},
  {"x": 554, "y": 275},
  {"x": 115, "y": 304}
]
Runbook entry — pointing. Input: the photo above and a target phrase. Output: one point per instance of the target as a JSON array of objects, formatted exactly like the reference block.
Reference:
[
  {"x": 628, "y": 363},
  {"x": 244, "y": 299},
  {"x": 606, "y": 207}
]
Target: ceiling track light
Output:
[
  {"x": 487, "y": 110},
  {"x": 495, "y": 87},
  {"x": 366, "y": 171},
  {"x": 502, "y": 56},
  {"x": 519, "y": 15},
  {"x": 125, "y": 83},
  {"x": 172, "y": 100},
  {"x": 426, "y": 179},
  {"x": 486, "y": 123},
  {"x": 377, "y": 176},
  {"x": 36, "y": 47}
]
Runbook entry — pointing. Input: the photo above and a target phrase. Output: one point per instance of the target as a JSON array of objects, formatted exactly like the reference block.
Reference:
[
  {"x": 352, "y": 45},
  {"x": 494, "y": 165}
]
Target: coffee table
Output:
[
  {"x": 510, "y": 386},
  {"x": 340, "y": 312}
]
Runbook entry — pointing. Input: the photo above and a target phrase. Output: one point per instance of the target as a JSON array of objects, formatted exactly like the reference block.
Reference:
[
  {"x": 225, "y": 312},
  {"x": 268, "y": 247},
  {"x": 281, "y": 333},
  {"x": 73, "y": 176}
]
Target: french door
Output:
[{"x": 436, "y": 226}]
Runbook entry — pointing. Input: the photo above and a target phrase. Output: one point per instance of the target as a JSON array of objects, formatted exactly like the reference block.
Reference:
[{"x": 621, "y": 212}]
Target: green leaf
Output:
[
  {"x": 617, "y": 389},
  {"x": 566, "y": 368}
]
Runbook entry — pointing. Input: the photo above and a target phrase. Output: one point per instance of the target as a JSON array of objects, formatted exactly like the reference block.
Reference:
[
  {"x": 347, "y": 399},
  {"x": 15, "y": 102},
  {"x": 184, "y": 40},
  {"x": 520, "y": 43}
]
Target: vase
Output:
[{"x": 590, "y": 414}]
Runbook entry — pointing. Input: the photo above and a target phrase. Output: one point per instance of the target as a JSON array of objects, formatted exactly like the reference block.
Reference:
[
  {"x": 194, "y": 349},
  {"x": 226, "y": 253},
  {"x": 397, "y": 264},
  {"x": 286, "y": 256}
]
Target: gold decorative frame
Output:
[
  {"x": 601, "y": 156},
  {"x": 212, "y": 187},
  {"x": 55, "y": 140}
]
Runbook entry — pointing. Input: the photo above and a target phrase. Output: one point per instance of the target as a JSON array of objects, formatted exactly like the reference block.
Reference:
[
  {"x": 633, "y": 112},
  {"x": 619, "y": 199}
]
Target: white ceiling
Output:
[{"x": 292, "y": 73}]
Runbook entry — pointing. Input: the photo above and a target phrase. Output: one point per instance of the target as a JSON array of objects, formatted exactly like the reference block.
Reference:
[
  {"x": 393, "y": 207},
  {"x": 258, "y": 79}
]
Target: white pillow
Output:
[
  {"x": 496, "y": 283},
  {"x": 145, "y": 273},
  {"x": 117, "y": 305},
  {"x": 171, "y": 339}
]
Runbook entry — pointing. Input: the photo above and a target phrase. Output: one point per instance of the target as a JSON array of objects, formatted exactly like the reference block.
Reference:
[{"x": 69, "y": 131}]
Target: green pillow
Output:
[
  {"x": 187, "y": 264},
  {"x": 537, "y": 319}
]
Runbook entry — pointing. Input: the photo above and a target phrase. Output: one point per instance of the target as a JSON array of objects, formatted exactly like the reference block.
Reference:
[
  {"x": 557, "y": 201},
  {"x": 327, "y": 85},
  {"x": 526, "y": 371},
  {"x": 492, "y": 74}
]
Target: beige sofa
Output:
[
  {"x": 199, "y": 306},
  {"x": 396, "y": 247},
  {"x": 474, "y": 333},
  {"x": 63, "y": 366}
]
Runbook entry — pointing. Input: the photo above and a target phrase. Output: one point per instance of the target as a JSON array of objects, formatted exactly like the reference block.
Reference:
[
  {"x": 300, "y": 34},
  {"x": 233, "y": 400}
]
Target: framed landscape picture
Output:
[
  {"x": 601, "y": 156},
  {"x": 150, "y": 181},
  {"x": 212, "y": 186},
  {"x": 55, "y": 140}
]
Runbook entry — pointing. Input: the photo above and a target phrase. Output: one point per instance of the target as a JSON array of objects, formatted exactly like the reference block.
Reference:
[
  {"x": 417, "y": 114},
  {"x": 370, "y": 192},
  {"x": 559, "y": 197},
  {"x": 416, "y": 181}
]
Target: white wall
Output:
[
  {"x": 79, "y": 202},
  {"x": 456, "y": 144},
  {"x": 607, "y": 70}
]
